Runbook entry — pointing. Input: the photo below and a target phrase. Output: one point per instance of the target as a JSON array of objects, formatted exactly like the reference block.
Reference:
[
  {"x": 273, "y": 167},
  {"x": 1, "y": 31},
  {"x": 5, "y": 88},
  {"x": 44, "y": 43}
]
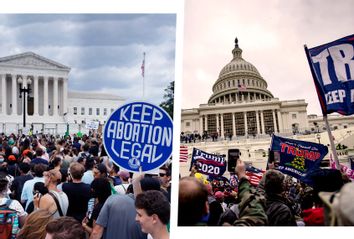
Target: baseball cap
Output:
[{"x": 11, "y": 157}]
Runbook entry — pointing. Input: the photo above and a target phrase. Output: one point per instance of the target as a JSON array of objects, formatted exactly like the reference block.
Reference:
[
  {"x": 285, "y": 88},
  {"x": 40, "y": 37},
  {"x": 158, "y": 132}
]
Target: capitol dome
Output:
[{"x": 239, "y": 81}]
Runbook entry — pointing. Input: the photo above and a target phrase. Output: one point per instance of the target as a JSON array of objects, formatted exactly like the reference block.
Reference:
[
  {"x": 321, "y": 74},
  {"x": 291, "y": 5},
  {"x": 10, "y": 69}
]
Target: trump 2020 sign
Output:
[
  {"x": 332, "y": 67},
  {"x": 138, "y": 136}
]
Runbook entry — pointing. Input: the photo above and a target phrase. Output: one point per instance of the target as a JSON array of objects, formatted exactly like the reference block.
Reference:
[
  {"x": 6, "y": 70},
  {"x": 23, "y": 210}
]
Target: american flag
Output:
[
  {"x": 143, "y": 67},
  {"x": 183, "y": 153},
  {"x": 241, "y": 87},
  {"x": 254, "y": 175}
]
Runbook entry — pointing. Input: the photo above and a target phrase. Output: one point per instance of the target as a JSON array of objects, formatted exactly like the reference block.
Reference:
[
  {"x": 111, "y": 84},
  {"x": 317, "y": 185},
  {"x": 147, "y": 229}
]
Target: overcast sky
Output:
[
  {"x": 271, "y": 34},
  {"x": 104, "y": 51}
]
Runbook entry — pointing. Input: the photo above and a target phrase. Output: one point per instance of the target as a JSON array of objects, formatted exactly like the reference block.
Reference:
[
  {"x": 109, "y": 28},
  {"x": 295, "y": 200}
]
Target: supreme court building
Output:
[
  {"x": 49, "y": 107},
  {"x": 241, "y": 106}
]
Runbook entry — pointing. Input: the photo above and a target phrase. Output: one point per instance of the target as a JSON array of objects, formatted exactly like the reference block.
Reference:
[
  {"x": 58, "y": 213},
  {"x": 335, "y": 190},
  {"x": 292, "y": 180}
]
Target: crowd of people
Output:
[
  {"x": 321, "y": 199},
  {"x": 67, "y": 187}
]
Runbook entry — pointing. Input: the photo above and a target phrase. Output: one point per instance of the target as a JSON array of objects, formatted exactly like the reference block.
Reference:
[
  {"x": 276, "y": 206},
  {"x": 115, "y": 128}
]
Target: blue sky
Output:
[{"x": 104, "y": 51}]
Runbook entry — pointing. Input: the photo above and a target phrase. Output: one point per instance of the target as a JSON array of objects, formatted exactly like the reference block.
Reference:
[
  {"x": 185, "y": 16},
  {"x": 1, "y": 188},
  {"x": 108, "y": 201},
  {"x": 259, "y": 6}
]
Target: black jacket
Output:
[{"x": 278, "y": 212}]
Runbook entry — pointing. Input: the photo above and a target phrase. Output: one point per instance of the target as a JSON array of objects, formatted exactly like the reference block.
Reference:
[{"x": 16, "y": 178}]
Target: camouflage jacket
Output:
[{"x": 251, "y": 206}]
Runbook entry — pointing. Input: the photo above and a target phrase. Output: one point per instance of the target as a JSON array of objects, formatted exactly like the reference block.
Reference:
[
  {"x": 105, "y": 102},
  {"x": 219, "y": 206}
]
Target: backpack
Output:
[{"x": 9, "y": 222}]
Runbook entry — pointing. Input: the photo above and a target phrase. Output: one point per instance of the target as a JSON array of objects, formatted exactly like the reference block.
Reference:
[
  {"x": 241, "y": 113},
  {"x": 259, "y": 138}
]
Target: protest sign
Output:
[
  {"x": 92, "y": 124},
  {"x": 332, "y": 67},
  {"x": 207, "y": 163},
  {"x": 298, "y": 158},
  {"x": 138, "y": 136}
]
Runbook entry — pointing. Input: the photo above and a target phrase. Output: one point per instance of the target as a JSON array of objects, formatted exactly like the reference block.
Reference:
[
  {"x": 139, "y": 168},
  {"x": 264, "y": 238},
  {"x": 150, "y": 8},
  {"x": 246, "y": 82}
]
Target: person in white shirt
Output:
[{"x": 27, "y": 191}]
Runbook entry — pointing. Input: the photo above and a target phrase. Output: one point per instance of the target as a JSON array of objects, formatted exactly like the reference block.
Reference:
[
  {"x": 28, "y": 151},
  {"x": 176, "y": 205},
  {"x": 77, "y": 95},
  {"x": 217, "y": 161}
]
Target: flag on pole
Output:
[
  {"x": 183, "y": 153},
  {"x": 332, "y": 68},
  {"x": 241, "y": 87},
  {"x": 298, "y": 158},
  {"x": 143, "y": 67}
]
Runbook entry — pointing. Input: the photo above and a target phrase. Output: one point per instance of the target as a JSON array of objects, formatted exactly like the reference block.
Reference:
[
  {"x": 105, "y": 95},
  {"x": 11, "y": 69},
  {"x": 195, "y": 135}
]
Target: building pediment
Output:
[{"x": 30, "y": 59}]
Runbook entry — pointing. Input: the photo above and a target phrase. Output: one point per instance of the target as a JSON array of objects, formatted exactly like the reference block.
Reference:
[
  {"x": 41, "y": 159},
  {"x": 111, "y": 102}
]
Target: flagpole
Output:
[
  {"x": 333, "y": 148},
  {"x": 143, "y": 74}
]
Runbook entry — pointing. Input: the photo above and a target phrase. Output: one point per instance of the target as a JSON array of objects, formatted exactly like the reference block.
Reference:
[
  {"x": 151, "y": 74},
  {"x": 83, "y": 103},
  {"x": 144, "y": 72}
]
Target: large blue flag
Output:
[
  {"x": 332, "y": 68},
  {"x": 298, "y": 158},
  {"x": 207, "y": 163}
]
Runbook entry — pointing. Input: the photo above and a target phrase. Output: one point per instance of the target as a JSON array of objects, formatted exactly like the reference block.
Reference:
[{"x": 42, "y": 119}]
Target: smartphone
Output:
[{"x": 232, "y": 156}]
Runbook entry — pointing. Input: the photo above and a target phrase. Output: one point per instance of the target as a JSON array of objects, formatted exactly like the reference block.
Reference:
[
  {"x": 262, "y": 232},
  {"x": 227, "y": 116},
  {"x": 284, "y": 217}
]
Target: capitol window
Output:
[
  {"x": 293, "y": 116},
  {"x": 97, "y": 111},
  {"x": 112, "y": 110},
  {"x": 82, "y": 110},
  {"x": 75, "y": 110},
  {"x": 90, "y": 111},
  {"x": 105, "y": 111},
  {"x": 188, "y": 124}
]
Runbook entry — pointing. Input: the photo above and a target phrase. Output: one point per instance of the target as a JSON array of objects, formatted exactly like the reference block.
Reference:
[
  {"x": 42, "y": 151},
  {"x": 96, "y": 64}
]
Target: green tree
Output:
[{"x": 167, "y": 104}]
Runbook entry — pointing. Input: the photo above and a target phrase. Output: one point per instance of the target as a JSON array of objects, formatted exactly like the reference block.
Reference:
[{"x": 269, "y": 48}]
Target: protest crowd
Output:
[
  {"x": 67, "y": 187},
  {"x": 252, "y": 197}
]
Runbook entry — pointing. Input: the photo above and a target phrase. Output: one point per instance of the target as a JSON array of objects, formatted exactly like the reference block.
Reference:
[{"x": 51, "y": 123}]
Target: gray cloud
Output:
[{"x": 105, "y": 51}]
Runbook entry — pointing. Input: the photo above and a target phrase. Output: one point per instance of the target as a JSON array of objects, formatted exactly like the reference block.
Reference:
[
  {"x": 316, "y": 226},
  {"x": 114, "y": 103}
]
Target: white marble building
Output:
[
  {"x": 49, "y": 105},
  {"x": 241, "y": 106}
]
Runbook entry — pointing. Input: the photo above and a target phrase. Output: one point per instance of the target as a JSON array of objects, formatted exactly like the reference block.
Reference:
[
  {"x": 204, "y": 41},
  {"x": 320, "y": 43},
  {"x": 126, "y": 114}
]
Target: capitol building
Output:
[
  {"x": 242, "y": 113},
  {"x": 37, "y": 87}
]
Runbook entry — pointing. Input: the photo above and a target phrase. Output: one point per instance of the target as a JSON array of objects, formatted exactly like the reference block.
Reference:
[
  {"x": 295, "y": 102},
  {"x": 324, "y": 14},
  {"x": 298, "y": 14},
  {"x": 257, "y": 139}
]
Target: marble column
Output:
[
  {"x": 217, "y": 124},
  {"x": 222, "y": 126},
  {"x": 65, "y": 95},
  {"x": 55, "y": 96},
  {"x": 25, "y": 85},
  {"x": 45, "y": 96},
  {"x": 274, "y": 122},
  {"x": 233, "y": 125},
  {"x": 14, "y": 95},
  {"x": 257, "y": 122},
  {"x": 280, "y": 121},
  {"x": 262, "y": 122},
  {"x": 35, "y": 95},
  {"x": 201, "y": 124},
  {"x": 3, "y": 94},
  {"x": 245, "y": 120}
]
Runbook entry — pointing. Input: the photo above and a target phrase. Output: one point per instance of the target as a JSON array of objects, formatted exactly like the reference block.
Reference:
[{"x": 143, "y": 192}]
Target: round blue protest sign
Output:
[{"x": 139, "y": 135}]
